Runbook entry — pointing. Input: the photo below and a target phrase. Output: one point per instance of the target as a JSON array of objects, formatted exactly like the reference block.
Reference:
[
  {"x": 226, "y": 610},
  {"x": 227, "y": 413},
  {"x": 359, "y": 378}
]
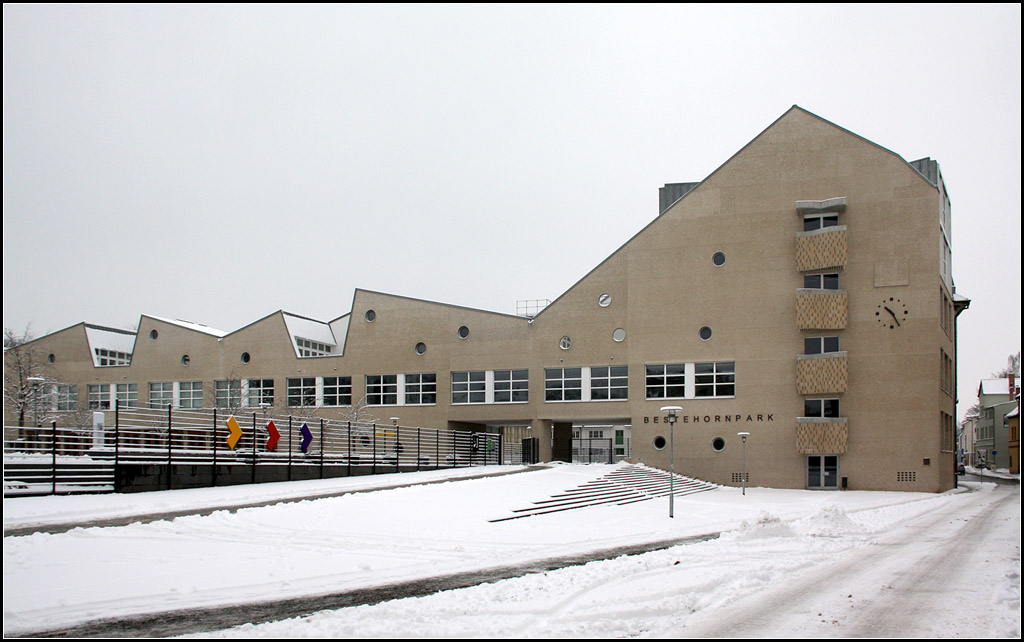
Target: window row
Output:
[
  {"x": 707, "y": 379},
  {"x": 594, "y": 383}
]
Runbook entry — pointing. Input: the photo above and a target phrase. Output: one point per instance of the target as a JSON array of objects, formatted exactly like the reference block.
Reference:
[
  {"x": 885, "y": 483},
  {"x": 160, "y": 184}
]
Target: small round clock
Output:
[{"x": 891, "y": 313}]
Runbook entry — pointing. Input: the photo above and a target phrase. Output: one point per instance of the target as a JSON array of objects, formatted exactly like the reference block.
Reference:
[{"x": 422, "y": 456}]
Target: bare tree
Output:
[
  {"x": 28, "y": 386},
  {"x": 1012, "y": 367}
]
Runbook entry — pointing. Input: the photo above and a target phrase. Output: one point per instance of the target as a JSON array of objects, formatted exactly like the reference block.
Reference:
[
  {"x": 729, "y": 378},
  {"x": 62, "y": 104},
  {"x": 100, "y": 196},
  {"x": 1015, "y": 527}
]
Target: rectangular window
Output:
[
  {"x": 511, "y": 386},
  {"x": 609, "y": 383},
  {"x": 337, "y": 391},
  {"x": 302, "y": 392},
  {"x": 382, "y": 390},
  {"x": 67, "y": 397},
  {"x": 829, "y": 281},
  {"x": 127, "y": 394},
  {"x": 261, "y": 392},
  {"x": 818, "y": 221},
  {"x": 469, "y": 387},
  {"x": 665, "y": 381},
  {"x": 821, "y": 407},
  {"x": 309, "y": 348},
  {"x": 99, "y": 396},
  {"x": 161, "y": 394},
  {"x": 820, "y": 345},
  {"x": 563, "y": 384},
  {"x": 190, "y": 394},
  {"x": 228, "y": 393},
  {"x": 715, "y": 379},
  {"x": 421, "y": 388},
  {"x": 112, "y": 357}
]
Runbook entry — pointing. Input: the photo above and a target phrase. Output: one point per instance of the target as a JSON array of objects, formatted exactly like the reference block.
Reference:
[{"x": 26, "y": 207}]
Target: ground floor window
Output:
[
  {"x": 127, "y": 395},
  {"x": 469, "y": 387},
  {"x": 420, "y": 388},
  {"x": 227, "y": 393},
  {"x": 823, "y": 471},
  {"x": 67, "y": 397},
  {"x": 302, "y": 392},
  {"x": 337, "y": 391},
  {"x": 261, "y": 392},
  {"x": 382, "y": 390},
  {"x": 99, "y": 396}
]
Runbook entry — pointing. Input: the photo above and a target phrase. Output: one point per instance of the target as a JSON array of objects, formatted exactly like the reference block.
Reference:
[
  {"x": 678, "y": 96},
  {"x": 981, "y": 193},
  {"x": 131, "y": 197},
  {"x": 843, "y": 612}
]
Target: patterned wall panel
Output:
[
  {"x": 817, "y": 310},
  {"x": 820, "y": 374},
  {"x": 821, "y": 249},
  {"x": 821, "y": 436}
]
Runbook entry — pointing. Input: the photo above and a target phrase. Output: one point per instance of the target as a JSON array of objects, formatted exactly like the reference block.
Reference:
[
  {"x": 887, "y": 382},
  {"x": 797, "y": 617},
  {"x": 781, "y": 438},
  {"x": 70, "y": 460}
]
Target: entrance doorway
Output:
[{"x": 823, "y": 471}]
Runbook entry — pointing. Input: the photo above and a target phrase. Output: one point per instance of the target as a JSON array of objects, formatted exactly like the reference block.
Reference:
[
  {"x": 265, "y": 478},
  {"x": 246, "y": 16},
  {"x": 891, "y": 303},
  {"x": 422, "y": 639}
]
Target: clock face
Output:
[{"x": 891, "y": 313}]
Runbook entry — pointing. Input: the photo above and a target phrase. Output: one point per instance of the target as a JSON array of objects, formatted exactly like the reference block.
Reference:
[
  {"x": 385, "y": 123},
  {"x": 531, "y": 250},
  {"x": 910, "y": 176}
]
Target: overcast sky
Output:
[{"x": 218, "y": 163}]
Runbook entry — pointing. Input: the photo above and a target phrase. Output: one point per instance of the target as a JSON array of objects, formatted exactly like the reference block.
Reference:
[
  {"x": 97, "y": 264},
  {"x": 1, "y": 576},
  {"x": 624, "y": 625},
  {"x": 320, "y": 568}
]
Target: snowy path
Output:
[
  {"x": 905, "y": 584},
  {"x": 260, "y": 556}
]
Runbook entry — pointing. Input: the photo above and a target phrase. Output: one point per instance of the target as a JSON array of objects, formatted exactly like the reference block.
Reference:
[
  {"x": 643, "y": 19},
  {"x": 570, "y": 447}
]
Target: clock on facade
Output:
[{"x": 891, "y": 313}]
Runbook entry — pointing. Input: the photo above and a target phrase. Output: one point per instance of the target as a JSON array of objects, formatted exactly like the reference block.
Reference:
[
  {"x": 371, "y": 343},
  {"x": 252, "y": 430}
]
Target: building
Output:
[
  {"x": 997, "y": 399},
  {"x": 802, "y": 293}
]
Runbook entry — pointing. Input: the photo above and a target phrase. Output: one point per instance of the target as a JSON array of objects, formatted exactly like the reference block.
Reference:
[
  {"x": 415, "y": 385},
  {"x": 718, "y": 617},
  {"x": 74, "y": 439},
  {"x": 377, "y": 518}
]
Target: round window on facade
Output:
[
  {"x": 370, "y": 316},
  {"x": 421, "y": 347},
  {"x": 718, "y": 444},
  {"x": 463, "y": 332},
  {"x": 153, "y": 334},
  {"x": 185, "y": 360},
  {"x": 604, "y": 300},
  {"x": 705, "y": 333},
  {"x": 718, "y": 259},
  {"x": 51, "y": 358},
  {"x": 245, "y": 357},
  {"x": 660, "y": 442},
  {"x": 619, "y": 335},
  {"x": 565, "y": 343}
]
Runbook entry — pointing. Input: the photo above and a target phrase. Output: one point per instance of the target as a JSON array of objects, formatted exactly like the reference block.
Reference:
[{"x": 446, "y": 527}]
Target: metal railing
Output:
[{"x": 57, "y": 460}]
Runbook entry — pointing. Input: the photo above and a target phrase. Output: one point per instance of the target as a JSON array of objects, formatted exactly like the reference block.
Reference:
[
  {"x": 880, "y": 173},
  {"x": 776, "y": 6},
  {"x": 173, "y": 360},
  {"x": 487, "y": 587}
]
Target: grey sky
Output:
[{"x": 218, "y": 163}]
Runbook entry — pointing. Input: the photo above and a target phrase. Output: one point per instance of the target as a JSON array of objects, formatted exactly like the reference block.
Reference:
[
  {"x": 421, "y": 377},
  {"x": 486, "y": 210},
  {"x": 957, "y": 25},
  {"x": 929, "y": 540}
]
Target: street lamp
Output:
[
  {"x": 743, "y": 436},
  {"x": 671, "y": 410}
]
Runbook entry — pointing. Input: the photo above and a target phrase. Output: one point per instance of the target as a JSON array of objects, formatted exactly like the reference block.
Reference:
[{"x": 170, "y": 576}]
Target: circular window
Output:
[
  {"x": 245, "y": 357},
  {"x": 660, "y": 442},
  {"x": 619, "y": 335},
  {"x": 421, "y": 347},
  {"x": 565, "y": 343},
  {"x": 718, "y": 258},
  {"x": 463, "y": 332},
  {"x": 604, "y": 300},
  {"x": 51, "y": 358},
  {"x": 718, "y": 444},
  {"x": 705, "y": 333},
  {"x": 153, "y": 334},
  {"x": 185, "y": 360},
  {"x": 370, "y": 316}
]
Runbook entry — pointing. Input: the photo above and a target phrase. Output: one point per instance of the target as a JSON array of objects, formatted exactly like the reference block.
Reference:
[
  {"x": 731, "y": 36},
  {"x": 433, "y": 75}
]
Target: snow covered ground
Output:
[{"x": 843, "y": 555}]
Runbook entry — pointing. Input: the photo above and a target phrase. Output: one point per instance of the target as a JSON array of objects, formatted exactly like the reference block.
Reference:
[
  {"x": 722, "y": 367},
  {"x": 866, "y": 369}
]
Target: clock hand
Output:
[{"x": 893, "y": 315}]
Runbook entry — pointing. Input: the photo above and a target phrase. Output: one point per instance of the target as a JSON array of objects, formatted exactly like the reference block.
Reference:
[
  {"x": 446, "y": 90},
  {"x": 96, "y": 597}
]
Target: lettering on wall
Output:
[{"x": 712, "y": 419}]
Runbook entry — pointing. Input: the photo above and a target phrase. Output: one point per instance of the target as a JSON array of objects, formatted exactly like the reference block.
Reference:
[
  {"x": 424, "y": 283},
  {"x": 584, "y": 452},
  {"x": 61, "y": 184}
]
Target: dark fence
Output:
[{"x": 178, "y": 448}]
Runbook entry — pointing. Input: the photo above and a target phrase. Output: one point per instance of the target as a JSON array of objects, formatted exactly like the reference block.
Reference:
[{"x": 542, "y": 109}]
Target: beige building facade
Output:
[{"x": 802, "y": 293}]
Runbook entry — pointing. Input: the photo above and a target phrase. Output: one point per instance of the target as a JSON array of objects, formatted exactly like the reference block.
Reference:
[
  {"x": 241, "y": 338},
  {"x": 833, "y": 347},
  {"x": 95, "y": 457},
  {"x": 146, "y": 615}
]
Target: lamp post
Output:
[
  {"x": 743, "y": 436},
  {"x": 671, "y": 410}
]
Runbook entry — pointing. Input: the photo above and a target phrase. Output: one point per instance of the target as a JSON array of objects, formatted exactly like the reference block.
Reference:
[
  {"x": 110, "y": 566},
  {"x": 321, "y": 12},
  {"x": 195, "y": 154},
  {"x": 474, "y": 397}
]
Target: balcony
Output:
[
  {"x": 821, "y": 435},
  {"x": 821, "y": 249},
  {"x": 821, "y": 309},
  {"x": 818, "y": 374}
]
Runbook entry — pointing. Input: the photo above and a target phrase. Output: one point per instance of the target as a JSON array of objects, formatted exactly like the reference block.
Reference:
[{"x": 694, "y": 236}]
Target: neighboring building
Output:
[
  {"x": 802, "y": 292},
  {"x": 997, "y": 399}
]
